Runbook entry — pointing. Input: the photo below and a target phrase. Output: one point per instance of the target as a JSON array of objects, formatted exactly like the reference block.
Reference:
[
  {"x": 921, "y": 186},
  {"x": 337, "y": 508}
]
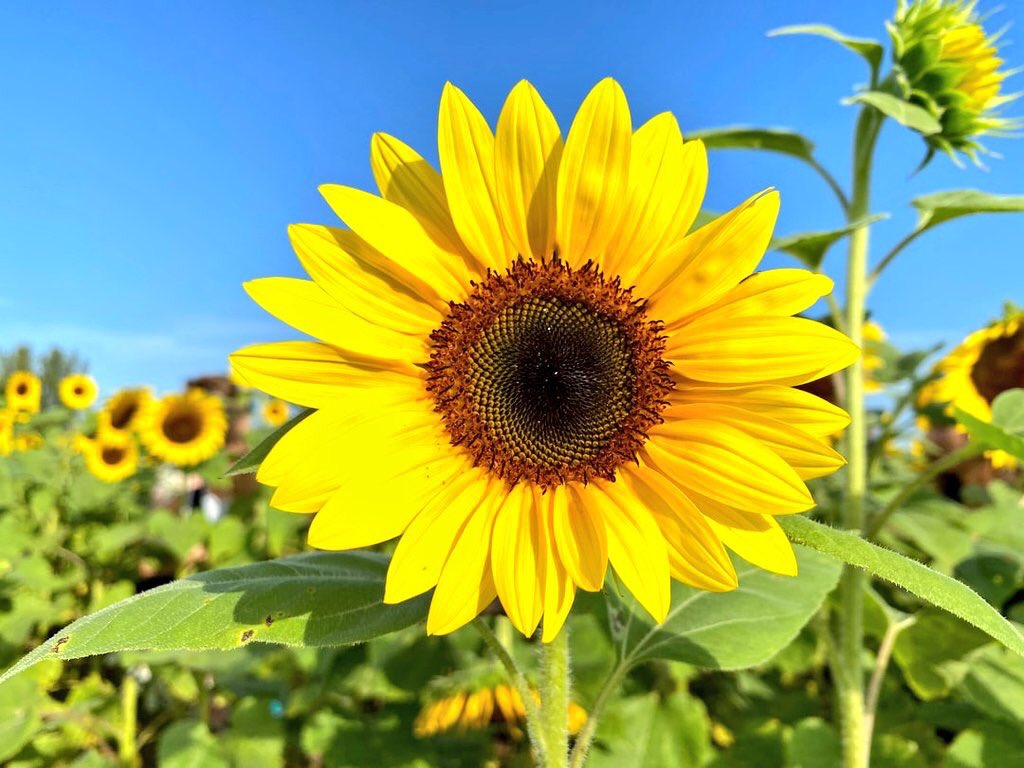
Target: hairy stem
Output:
[
  {"x": 554, "y": 699},
  {"x": 586, "y": 734},
  {"x": 881, "y": 665}
]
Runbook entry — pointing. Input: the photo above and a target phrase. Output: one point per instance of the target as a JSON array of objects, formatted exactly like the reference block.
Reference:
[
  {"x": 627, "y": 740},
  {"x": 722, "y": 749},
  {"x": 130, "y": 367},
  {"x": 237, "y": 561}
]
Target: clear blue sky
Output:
[{"x": 152, "y": 154}]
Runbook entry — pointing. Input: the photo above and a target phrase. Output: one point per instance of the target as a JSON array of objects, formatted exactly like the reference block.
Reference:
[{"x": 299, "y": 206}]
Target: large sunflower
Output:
[
  {"x": 184, "y": 429},
  {"x": 123, "y": 411},
  {"x": 111, "y": 457},
  {"x": 77, "y": 391},
  {"x": 529, "y": 370},
  {"x": 23, "y": 392}
]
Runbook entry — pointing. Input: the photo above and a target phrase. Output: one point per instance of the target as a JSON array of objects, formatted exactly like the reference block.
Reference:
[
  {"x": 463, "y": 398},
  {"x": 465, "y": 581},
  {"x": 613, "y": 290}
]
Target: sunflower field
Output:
[{"x": 554, "y": 464}]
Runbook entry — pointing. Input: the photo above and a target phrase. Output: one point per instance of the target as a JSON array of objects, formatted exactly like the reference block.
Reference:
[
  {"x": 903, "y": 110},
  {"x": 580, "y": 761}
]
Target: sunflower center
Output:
[
  {"x": 112, "y": 455},
  {"x": 182, "y": 426},
  {"x": 1000, "y": 366},
  {"x": 549, "y": 374},
  {"x": 122, "y": 415},
  {"x": 78, "y": 390},
  {"x": 22, "y": 388}
]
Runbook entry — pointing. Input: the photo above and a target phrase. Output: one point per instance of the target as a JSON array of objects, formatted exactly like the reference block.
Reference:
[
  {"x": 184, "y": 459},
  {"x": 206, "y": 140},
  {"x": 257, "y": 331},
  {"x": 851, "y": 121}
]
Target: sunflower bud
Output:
[{"x": 947, "y": 64}]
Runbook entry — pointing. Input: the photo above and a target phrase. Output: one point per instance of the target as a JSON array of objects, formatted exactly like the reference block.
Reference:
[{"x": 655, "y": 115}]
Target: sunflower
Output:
[
  {"x": 985, "y": 364},
  {"x": 110, "y": 457},
  {"x": 874, "y": 337},
  {"x": 529, "y": 369},
  {"x": 29, "y": 441},
  {"x": 183, "y": 429},
  {"x": 6, "y": 431},
  {"x": 123, "y": 410},
  {"x": 23, "y": 392},
  {"x": 275, "y": 412},
  {"x": 476, "y": 710},
  {"x": 77, "y": 391},
  {"x": 950, "y": 66}
]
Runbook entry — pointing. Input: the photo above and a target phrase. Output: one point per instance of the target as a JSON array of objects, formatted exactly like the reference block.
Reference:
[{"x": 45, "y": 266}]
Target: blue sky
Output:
[{"x": 153, "y": 154}]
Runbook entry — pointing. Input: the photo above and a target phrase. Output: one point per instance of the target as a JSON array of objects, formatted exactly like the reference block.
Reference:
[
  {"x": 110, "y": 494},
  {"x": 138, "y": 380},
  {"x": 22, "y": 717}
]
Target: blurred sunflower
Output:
[
  {"x": 23, "y": 392},
  {"x": 183, "y": 429},
  {"x": 950, "y": 66},
  {"x": 985, "y": 364},
  {"x": 476, "y": 710},
  {"x": 275, "y": 412},
  {"x": 530, "y": 370},
  {"x": 874, "y": 337},
  {"x": 110, "y": 457},
  {"x": 6, "y": 431},
  {"x": 123, "y": 411},
  {"x": 28, "y": 441},
  {"x": 77, "y": 391}
]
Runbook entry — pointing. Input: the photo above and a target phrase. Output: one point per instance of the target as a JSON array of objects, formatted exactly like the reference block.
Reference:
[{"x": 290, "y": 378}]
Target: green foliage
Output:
[
  {"x": 251, "y": 461},
  {"x": 939, "y": 207},
  {"x": 903, "y": 112},
  {"x": 1006, "y": 431},
  {"x": 810, "y": 248},
  {"x": 870, "y": 50}
]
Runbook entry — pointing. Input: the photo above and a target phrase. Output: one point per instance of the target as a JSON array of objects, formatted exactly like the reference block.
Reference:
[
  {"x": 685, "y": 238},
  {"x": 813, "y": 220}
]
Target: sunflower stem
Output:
[
  {"x": 856, "y": 748},
  {"x": 586, "y": 735},
  {"x": 554, "y": 699}
]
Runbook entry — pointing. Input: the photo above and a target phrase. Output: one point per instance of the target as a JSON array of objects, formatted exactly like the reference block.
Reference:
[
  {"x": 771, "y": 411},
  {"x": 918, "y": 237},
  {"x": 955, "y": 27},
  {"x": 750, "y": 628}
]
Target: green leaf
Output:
[
  {"x": 931, "y": 652},
  {"x": 810, "y": 247},
  {"x": 871, "y": 50},
  {"x": 252, "y": 460},
  {"x": 995, "y": 684},
  {"x": 313, "y": 599},
  {"x": 903, "y": 112},
  {"x": 188, "y": 744},
  {"x": 747, "y": 137},
  {"x": 730, "y": 630},
  {"x": 987, "y": 745},
  {"x": 813, "y": 744},
  {"x": 643, "y": 730},
  {"x": 1008, "y": 411},
  {"x": 994, "y": 436},
  {"x": 939, "y": 207},
  {"x": 921, "y": 581}
]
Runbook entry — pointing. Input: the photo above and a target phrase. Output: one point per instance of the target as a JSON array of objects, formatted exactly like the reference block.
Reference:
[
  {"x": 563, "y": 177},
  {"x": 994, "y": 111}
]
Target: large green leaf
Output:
[
  {"x": 252, "y": 460},
  {"x": 747, "y": 137},
  {"x": 931, "y": 652},
  {"x": 1006, "y": 431},
  {"x": 987, "y": 744},
  {"x": 313, "y": 599},
  {"x": 921, "y": 581},
  {"x": 939, "y": 207},
  {"x": 871, "y": 50},
  {"x": 654, "y": 733},
  {"x": 810, "y": 247},
  {"x": 903, "y": 112},
  {"x": 730, "y": 630}
]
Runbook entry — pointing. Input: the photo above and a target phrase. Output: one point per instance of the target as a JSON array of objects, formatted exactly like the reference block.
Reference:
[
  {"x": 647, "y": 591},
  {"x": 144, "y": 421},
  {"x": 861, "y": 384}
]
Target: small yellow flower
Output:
[
  {"x": 183, "y": 429},
  {"x": 530, "y": 369},
  {"x": 122, "y": 412},
  {"x": 28, "y": 442},
  {"x": 275, "y": 412},
  {"x": 950, "y": 66},
  {"x": 23, "y": 392},
  {"x": 477, "y": 709},
  {"x": 111, "y": 457},
  {"x": 77, "y": 391}
]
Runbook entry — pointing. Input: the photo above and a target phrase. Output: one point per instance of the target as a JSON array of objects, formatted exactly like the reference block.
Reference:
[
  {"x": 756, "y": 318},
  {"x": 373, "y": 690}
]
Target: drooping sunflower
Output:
[
  {"x": 476, "y": 710},
  {"x": 77, "y": 391},
  {"x": 110, "y": 457},
  {"x": 23, "y": 392},
  {"x": 529, "y": 370},
  {"x": 985, "y": 364},
  {"x": 950, "y": 66},
  {"x": 123, "y": 411},
  {"x": 275, "y": 412},
  {"x": 183, "y": 429}
]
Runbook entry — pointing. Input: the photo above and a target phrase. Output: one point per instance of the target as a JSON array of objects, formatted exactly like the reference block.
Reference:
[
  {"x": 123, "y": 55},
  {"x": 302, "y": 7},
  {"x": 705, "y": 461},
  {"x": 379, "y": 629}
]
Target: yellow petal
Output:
[
  {"x": 636, "y": 546},
  {"x": 808, "y": 455},
  {"x": 406, "y": 179},
  {"x": 305, "y": 306},
  {"x": 695, "y": 174},
  {"x": 466, "y": 147},
  {"x": 517, "y": 558},
  {"x": 580, "y": 536},
  {"x": 353, "y": 274},
  {"x": 795, "y": 407},
  {"x": 709, "y": 262},
  {"x": 396, "y": 233},
  {"x": 758, "y": 539},
  {"x": 425, "y": 545},
  {"x": 528, "y": 147},
  {"x": 774, "y": 293},
  {"x": 729, "y": 466},
  {"x": 594, "y": 174},
  {"x": 696, "y": 556},
  {"x": 752, "y": 350},
  {"x": 318, "y": 375},
  {"x": 559, "y": 589},
  {"x": 466, "y": 586},
  {"x": 656, "y": 188}
]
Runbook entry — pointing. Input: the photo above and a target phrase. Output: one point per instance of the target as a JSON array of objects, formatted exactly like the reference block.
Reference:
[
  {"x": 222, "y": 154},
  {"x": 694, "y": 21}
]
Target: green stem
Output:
[
  {"x": 851, "y": 588},
  {"x": 534, "y": 726},
  {"x": 586, "y": 734},
  {"x": 878, "y": 676},
  {"x": 127, "y": 750},
  {"x": 554, "y": 699},
  {"x": 936, "y": 468},
  {"x": 887, "y": 259}
]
